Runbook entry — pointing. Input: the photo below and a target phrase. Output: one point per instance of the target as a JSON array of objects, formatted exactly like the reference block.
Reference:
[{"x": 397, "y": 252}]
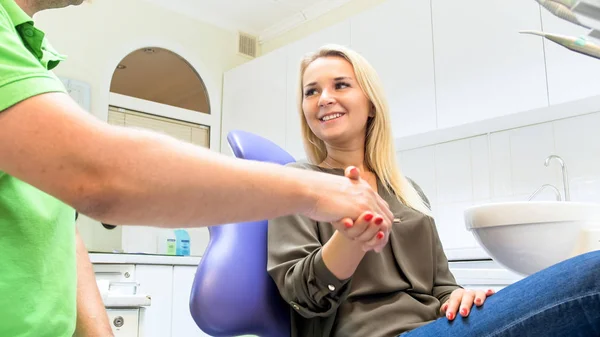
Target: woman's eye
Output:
[
  {"x": 309, "y": 92},
  {"x": 341, "y": 85}
]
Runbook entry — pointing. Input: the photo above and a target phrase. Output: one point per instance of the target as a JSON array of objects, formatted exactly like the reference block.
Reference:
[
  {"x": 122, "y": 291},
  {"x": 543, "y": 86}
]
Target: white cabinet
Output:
[
  {"x": 124, "y": 322},
  {"x": 183, "y": 324},
  {"x": 396, "y": 38},
  {"x": 337, "y": 34},
  {"x": 168, "y": 285},
  {"x": 571, "y": 76},
  {"x": 254, "y": 98},
  {"x": 483, "y": 67},
  {"x": 157, "y": 281}
]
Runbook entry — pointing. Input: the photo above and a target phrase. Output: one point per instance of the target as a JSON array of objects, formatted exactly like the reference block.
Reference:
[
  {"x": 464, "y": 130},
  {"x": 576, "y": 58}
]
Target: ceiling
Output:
[{"x": 263, "y": 18}]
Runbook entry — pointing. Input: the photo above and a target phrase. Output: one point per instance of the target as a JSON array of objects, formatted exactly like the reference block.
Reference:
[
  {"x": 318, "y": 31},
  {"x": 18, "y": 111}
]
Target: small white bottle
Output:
[{"x": 167, "y": 242}]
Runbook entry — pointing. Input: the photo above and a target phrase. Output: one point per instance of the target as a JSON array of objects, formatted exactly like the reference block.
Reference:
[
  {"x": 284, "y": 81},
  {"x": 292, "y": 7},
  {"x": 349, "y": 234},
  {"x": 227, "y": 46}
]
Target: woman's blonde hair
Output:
[{"x": 380, "y": 155}]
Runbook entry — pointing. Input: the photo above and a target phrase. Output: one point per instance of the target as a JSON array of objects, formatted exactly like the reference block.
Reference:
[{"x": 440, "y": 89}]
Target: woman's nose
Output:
[{"x": 326, "y": 99}]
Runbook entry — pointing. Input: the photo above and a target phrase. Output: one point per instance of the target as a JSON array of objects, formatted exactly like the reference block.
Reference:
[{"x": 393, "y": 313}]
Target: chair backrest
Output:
[{"x": 232, "y": 293}]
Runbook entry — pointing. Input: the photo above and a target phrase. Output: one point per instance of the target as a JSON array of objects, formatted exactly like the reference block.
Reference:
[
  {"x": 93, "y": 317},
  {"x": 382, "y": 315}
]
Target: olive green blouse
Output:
[{"x": 394, "y": 291}]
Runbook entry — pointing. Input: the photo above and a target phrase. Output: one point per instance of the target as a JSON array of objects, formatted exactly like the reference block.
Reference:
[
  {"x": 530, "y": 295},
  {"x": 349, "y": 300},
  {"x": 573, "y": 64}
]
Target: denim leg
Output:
[{"x": 562, "y": 300}]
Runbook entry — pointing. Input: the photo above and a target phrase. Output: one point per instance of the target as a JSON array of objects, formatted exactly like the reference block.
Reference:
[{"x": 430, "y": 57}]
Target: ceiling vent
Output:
[{"x": 247, "y": 44}]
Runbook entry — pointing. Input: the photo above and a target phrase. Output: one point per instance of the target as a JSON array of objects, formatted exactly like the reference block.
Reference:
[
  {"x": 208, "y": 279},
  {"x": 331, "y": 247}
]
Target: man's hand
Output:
[{"x": 342, "y": 200}]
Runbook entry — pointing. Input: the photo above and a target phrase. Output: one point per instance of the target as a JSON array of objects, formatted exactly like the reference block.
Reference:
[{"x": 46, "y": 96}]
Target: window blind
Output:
[{"x": 188, "y": 132}]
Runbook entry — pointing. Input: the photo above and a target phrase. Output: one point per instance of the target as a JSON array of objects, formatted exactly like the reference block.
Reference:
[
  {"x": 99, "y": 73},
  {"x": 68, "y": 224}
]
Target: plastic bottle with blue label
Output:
[{"x": 183, "y": 242}]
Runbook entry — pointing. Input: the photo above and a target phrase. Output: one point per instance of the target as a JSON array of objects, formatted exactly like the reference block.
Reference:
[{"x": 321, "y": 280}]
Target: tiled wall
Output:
[{"x": 504, "y": 166}]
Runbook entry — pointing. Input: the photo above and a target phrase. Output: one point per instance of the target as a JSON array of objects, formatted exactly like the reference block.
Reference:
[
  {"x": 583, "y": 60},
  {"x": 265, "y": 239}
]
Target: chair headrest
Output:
[{"x": 250, "y": 146}]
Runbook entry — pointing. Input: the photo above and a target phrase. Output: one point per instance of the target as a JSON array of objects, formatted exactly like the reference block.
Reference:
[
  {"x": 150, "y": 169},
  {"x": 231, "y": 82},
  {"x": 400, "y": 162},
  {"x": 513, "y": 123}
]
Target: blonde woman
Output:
[{"x": 373, "y": 280}]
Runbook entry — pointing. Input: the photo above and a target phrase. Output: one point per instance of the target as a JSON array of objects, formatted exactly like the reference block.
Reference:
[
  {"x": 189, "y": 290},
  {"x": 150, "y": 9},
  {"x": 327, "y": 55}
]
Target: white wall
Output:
[
  {"x": 476, "y": 107},
  {"x": 96, "y": 36},
  {"x": 501, "y": 166}
]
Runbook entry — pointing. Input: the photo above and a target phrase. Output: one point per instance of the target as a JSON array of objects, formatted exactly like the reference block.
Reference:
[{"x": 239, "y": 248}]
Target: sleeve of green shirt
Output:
[{"x": 21, "y": 74}]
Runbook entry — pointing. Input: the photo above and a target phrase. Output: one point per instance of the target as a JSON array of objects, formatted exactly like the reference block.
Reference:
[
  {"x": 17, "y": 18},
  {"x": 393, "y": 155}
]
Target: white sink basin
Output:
[{"x": 527, "y": 237}]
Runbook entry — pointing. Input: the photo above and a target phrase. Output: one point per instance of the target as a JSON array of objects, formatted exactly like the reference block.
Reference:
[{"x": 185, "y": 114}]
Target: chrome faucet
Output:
[
  {"x": 556, "y": 192},
  {"x": 564, "y": 174}
]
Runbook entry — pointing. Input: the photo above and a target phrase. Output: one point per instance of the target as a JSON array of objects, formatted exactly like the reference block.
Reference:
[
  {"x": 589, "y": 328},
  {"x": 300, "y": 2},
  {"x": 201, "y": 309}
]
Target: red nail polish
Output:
[
  {"x": 354, "y": 171},
  {"x": 380, "y": 235},
  {"x": 348, "y": 224},
  {"x": 464, "y": 311},
  {"x": 478, "y": 301},
  {"x": 368, "y": 217},
  {"x": 445, "y": 307},
  {"x": 378, "y": 221},
  {"x": 450, "y": 316}
]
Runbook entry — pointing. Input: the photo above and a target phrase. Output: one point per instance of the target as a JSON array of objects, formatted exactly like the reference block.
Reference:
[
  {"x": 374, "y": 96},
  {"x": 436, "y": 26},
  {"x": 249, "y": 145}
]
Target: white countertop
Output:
[
  {"x": 116, "y": 258},
  {"x": 469, "y": 254},
  {"x": 109, "y": 258}
]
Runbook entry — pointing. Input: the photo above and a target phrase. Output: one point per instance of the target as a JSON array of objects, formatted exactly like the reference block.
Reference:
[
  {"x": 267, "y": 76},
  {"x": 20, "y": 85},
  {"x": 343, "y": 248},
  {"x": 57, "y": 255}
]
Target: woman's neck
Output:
[{"x": 342, "y": 158}]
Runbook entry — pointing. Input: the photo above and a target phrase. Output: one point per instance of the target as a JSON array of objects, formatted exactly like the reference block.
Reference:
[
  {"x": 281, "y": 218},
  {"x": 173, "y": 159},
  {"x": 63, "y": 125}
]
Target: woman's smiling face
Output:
[{"x": 335, "y": 107}]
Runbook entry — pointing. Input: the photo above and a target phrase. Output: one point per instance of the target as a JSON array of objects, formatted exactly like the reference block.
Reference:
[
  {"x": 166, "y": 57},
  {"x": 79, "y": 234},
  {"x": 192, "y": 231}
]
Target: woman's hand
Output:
[
  {"x": 463, "y": 299},
  {"x": 369, "y": 230}
]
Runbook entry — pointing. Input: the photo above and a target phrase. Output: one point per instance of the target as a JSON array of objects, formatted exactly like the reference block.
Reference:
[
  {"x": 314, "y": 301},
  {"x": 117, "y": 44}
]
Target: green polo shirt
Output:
[{"x": 38, "y": 282}]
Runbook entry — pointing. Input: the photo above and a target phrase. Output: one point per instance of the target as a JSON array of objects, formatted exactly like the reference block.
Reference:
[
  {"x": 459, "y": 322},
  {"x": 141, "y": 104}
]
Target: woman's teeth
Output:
[{"x": 330, "y": 117}]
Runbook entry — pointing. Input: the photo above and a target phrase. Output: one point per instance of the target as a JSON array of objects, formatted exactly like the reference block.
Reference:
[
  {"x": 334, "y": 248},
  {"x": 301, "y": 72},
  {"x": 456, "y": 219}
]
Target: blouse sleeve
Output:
[{"x": 296, "y": 265}]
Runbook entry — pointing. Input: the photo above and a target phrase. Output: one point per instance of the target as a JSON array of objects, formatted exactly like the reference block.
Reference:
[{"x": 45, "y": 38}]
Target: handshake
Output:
[{"x": 354, "y": 209}]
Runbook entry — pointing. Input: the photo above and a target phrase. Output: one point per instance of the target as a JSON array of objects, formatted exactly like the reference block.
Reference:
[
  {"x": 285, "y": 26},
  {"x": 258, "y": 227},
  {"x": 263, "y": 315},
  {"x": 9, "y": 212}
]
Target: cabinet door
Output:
[
  {"x": 183, "y": 323},
  {"x": 156, "y": 281},
  {"x": 483, "y": 67},
  {"x": 396, "y": 38},
  {"x": 571, "y": 76},
  {"x": 254, "y": 98},
  {"x": 338, "y": 34}
]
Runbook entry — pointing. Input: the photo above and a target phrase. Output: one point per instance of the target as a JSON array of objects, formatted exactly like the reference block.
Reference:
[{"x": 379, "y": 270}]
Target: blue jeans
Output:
[{"x": 562, "y": 300}]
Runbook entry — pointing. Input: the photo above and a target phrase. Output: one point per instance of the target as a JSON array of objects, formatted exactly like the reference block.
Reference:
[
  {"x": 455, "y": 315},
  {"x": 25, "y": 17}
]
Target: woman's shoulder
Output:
[
  {"x": 308, "y": 166},
  {"x": 301, "y": 165}
]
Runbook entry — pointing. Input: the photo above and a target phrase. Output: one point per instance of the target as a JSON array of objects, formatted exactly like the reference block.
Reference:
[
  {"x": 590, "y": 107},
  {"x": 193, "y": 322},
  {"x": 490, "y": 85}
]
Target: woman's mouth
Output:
[{"x": 330, "y": 117}]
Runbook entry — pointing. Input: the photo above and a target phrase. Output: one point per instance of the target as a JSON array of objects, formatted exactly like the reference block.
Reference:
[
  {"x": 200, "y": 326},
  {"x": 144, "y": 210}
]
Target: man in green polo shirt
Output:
[{"x": 55, "y": 158}]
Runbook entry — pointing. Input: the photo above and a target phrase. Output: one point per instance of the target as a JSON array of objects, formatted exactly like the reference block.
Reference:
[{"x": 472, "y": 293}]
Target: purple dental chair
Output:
[{"x": 232, "y": 293}]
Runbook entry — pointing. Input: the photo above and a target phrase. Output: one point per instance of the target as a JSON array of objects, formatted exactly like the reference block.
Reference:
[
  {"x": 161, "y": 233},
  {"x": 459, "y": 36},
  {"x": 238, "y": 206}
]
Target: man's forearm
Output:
[
  {"x": 219, "y": 189},
  {"x": 92, "y": 319},
  {"x": 124, "y": 176},
  {"x": 128, "y": 176}
]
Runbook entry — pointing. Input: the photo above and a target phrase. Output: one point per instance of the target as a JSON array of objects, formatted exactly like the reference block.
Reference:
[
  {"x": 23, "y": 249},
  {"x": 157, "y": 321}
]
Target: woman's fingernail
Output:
[
  {"x": 445, "y": 307},
  {"x": 380, "y": 235},
  {"x": 464, "y": 311},
  {"x": 450, "y": 316},
  {"x": 378, "y": 221},
  {"x": 368, "y": 217},
  {"x": 478, "y": 301},
  {"x": 348, "y": 224},
  {"x": 354, "y": 171}
]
